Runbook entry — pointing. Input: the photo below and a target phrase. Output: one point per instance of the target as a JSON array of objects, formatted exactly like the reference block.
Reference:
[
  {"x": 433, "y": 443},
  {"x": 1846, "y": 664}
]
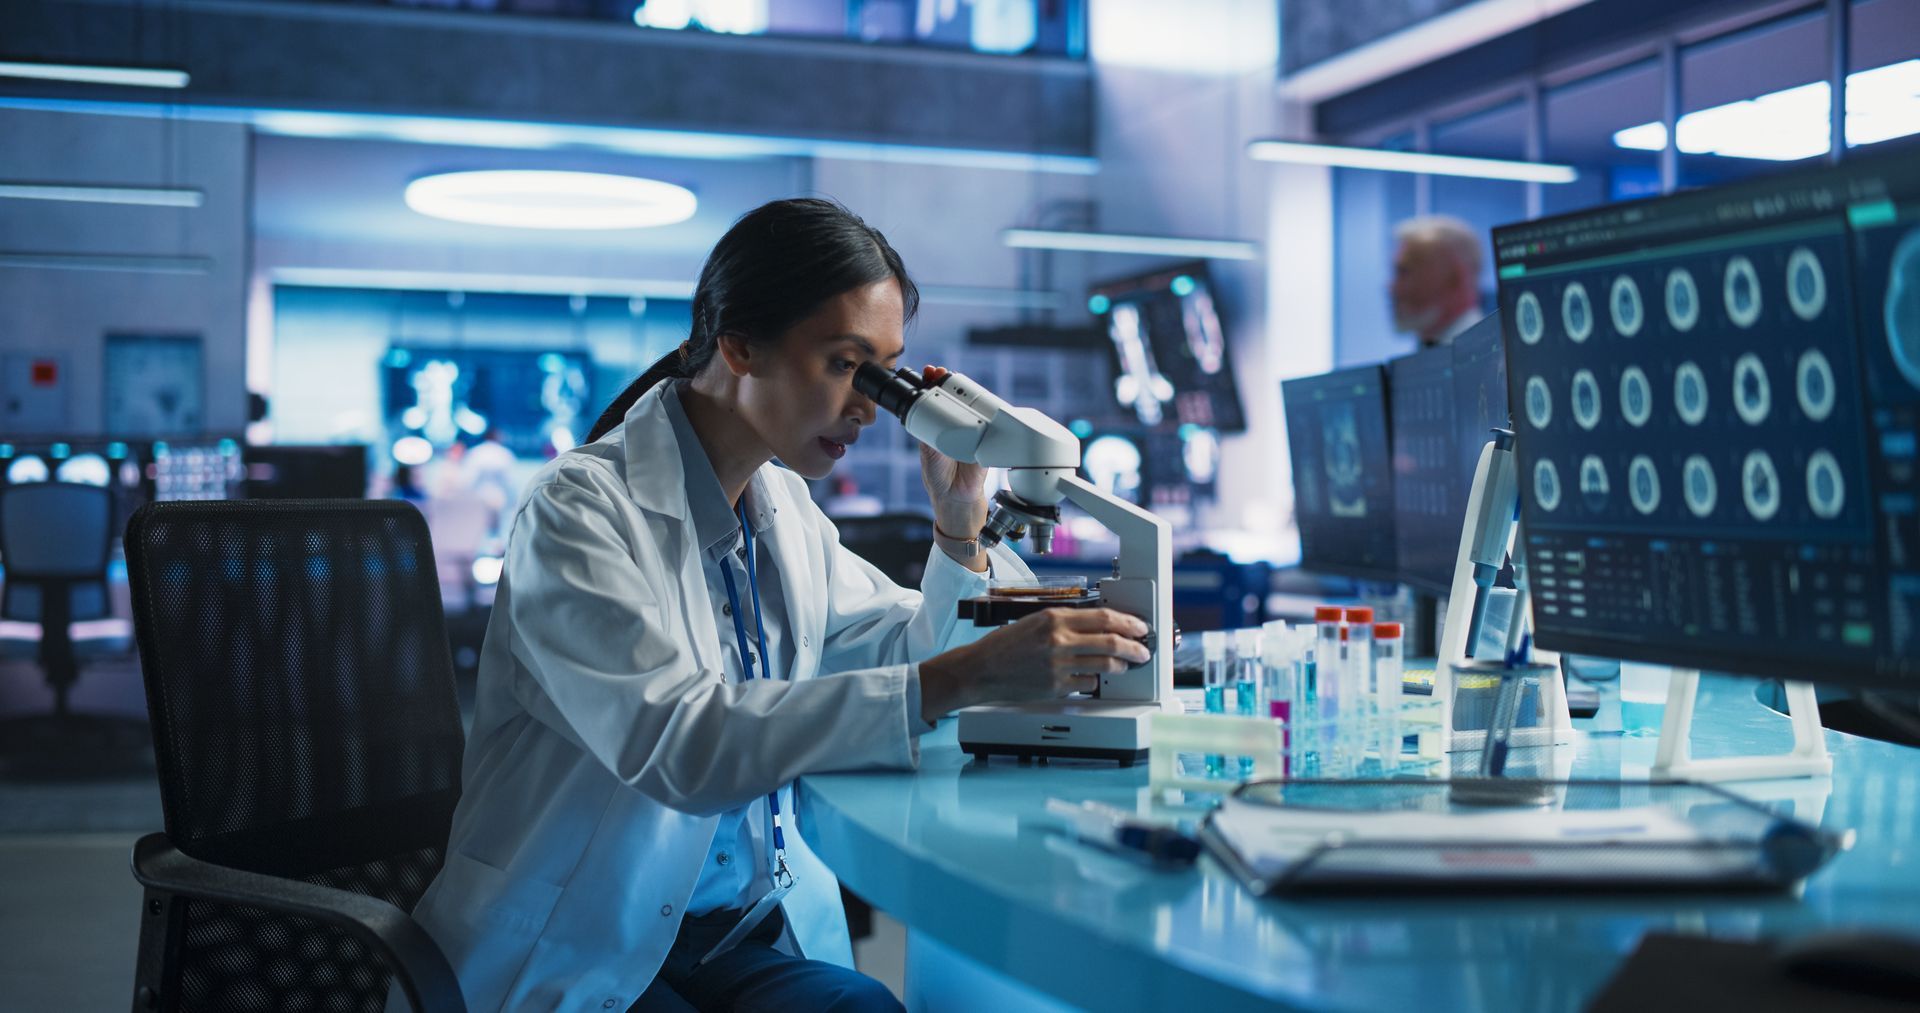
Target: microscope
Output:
[{"x": 966, "y": 422}]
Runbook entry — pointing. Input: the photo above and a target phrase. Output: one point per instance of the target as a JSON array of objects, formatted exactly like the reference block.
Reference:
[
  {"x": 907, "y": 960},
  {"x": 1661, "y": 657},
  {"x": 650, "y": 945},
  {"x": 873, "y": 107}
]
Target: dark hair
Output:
[{"x": 777, "y": 265}]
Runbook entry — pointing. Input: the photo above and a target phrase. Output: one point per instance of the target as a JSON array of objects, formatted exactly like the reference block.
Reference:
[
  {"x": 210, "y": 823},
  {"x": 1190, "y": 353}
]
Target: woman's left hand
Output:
[{"x": 958, "y": 491}]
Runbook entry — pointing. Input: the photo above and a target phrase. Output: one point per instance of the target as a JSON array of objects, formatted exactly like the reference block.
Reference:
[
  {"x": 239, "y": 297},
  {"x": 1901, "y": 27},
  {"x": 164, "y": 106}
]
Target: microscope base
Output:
[{"x": 1079, "y": 729}]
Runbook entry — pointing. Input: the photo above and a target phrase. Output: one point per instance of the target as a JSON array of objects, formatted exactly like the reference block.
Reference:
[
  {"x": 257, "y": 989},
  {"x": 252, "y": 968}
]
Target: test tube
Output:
[
  {"x": 1359, "y": 688},
  {"x": 1387, "y": 665},
  {"x": 1246, "y": 683},
  {"x": 1327, "y": 683},
  {"x": 1276, "y": 654},
  {"x": 1213, "y": 648}
]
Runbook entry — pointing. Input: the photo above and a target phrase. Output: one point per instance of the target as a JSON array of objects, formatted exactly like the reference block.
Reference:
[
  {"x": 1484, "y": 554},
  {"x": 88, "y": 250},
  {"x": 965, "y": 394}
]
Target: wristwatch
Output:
[{"x": 966, "y": 547}]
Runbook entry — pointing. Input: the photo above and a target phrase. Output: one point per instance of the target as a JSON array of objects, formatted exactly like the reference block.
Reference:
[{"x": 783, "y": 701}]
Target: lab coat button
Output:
[
  {"x": 724, "y": 858},
  {"x": 666, "y": 910},
  {"x": 607, "y": 1005},
  {"x": 727, "y": 609}
]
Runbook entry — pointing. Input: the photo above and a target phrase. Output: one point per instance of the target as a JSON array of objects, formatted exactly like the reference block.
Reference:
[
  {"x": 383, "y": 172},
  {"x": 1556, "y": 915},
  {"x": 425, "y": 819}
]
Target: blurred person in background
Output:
[{"x": 1436, "y": 279}]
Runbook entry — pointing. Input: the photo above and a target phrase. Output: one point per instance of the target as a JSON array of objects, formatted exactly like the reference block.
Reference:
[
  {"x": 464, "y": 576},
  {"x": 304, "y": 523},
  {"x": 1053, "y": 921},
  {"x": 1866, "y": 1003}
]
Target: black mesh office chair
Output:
[{"x": 308, "y": 743}]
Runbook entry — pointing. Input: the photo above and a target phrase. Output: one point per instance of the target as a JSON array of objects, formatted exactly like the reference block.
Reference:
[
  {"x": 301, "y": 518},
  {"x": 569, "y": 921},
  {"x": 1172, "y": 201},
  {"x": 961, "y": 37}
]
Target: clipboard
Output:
[{"x": 1308, "y": 837}]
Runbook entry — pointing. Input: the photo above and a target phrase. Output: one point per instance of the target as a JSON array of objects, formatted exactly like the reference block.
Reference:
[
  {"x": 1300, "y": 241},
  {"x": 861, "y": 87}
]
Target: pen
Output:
[{"x": 1115, "y": 830}]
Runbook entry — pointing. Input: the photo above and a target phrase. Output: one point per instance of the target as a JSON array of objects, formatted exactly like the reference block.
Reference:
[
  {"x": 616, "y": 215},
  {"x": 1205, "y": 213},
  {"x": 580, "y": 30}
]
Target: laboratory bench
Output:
[{"x": 1004, "y": 911}]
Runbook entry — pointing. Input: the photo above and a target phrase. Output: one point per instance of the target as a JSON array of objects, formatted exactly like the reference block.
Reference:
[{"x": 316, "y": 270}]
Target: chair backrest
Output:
[
  {"x": 305, "y": 723},
  {"x": 896, "y": 543},
  {"x": 55, "y": 531}
]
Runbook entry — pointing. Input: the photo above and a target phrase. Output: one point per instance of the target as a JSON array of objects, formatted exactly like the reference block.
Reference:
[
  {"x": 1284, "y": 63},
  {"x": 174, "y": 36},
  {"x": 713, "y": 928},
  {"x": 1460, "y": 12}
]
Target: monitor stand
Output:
[{"x": 1808, "y": 758}]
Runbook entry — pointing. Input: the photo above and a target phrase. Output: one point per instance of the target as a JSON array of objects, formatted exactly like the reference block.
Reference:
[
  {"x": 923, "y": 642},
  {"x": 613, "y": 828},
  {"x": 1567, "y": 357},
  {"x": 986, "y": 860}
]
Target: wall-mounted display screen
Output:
[{"x": 1172, "y": 366}]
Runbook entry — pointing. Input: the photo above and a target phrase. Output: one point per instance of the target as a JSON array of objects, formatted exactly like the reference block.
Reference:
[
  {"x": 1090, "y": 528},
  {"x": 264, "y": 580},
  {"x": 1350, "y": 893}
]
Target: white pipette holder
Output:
[{"x": 1486, "y": 541}]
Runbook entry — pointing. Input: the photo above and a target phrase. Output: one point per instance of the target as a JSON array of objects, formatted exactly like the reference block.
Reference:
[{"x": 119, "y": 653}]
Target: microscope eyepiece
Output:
[{"x": 894, "y": 392}]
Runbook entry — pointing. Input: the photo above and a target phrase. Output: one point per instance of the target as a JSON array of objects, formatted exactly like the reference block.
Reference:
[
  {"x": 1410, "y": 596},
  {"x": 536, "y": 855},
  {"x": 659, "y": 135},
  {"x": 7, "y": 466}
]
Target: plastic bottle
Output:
[
  {"x": 1213, "y": 648},
  {"x": 1388, "y": 666},
  {"x": 1246, "y": 683},
  {"x": 1359, "y": 687},
  {"x": 1278, "y": 648}
]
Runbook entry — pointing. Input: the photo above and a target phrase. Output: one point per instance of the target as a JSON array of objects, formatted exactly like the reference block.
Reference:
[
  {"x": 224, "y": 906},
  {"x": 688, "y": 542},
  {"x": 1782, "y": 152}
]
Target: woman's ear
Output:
[{"x": 736, "y": 353}]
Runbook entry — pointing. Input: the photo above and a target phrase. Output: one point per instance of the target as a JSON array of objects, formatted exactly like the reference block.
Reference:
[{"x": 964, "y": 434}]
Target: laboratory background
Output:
[{"x": 1505, "y": 411}]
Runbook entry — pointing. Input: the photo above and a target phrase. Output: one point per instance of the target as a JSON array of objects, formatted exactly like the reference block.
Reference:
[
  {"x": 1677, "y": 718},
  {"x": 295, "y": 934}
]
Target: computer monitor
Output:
[
  {"x": 325, "y": 471},
  {"x": 1172, "y": 366},
  {"x": 1342, "y": 472},
  {"x": 195, "y": 469},
  {"x": 1429, "y": 493},
  {"x": 1717, "y": 395},
  {"x": 1479, "y": 396}
]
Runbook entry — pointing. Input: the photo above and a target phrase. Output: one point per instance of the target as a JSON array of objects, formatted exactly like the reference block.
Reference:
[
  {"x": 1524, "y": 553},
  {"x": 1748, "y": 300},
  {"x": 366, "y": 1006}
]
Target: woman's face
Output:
[{"x": 798, "y": 391}]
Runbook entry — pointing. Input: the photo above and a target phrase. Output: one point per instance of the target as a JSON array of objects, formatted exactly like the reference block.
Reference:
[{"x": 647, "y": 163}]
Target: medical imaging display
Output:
[
  {"x": 1717, "y": 396},
  {"x": 1479, "y": 400},
  {"x": 1343, "y": 478},
  {"x": 1429, "y": 491},
  {"x": 537, "y": 400},
  {"x": 1171, "y": 364}
]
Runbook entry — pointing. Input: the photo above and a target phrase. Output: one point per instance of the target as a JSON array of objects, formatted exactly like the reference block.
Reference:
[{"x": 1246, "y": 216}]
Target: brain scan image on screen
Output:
[
  {"x": 1690, "y": 393},
  {"x": 1698, "y": 485},
  {"x": 1760, "y": 486},
  {"x": 1346, "y": 468},
  {"x": 1140, "y": 384},
  {"x": 1586, "y": 399},
  {"x": 1539, "y": 402},
  {"x": 1593, "y": 483},
  {"x": 1113, "y": 463},
  {"x": 1532, "y": 322},
  {"x": 1752, "y": 397},
  {"x": 1813, "y": 383},
  {"x": 1806, "y": 284},
  {"x": 1546, "y": 485},
  {"x": 1204, "y": 336},
  {"x": 1625, "y": 304},
  {"x": 1643, "y": 484},
  {"x": 1683, "y": 299},
  {"x": 1742, "y": 292},
  {"x": 1636, "y": 396},
  {"x": 1576, "y": 312},
  {"x": 1903, "y": 308},
  {"x": 1826, "y": 489}
]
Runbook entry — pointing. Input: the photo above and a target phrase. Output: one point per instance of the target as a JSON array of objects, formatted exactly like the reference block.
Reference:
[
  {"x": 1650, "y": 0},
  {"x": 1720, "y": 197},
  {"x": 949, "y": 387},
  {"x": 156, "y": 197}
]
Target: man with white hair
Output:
[{"x": 1436, "y": 278}]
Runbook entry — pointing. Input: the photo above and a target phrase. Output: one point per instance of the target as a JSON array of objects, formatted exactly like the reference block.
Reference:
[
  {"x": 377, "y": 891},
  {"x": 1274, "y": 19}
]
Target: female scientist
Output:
[{"x": 678, "y": 635}]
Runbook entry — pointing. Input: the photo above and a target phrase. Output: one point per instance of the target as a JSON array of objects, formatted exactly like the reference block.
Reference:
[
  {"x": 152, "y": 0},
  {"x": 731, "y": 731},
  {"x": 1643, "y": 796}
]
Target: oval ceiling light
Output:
[{"x": 540, "y": 199}]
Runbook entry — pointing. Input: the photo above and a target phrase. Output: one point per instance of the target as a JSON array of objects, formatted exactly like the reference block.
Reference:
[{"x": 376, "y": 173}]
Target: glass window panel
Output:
[
  {"x": 1500, "y": 132},
  {"x": 1367, "y": 205},
  {"x": 1753, "y": 102},
  {"x": 1883, "y": 80},
  {"x": 1582, "y": 119}
]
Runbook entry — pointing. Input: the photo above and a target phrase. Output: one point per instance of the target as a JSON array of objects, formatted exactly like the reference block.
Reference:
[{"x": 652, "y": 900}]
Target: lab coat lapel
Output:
[
  {"x": 786, "y": 538},
  {"x": 658, "y": 485}
]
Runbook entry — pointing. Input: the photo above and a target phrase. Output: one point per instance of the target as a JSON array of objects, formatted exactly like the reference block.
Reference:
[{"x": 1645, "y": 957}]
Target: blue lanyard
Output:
[{"x": 780, "y": 872}]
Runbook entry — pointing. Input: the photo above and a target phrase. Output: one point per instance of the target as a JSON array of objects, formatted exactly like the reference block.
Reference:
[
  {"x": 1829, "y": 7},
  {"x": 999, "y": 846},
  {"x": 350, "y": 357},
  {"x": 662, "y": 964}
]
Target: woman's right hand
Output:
[{"x": 1048, "y": 654}]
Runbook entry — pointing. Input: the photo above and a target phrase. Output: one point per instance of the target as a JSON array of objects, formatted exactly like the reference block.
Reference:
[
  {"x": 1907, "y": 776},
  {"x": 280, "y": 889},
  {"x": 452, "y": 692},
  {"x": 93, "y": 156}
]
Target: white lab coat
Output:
[{"x": 606, "y": 739}]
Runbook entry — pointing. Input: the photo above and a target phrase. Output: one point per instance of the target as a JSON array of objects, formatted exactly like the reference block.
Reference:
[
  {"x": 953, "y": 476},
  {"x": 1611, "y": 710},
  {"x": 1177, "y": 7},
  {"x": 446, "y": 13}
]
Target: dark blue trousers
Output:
[{"x": 753, "y": 976}]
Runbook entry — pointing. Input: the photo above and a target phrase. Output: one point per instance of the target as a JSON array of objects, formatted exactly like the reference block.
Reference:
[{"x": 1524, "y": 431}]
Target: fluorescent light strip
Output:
[
  {"x": 1793, "y": 123},
  {"x": 1110, "y": 242},
  {"x": 456, "y": 281},
  {"x": 108, "y": 262},
  {"x": 548, "y": 199},
  {"x": 167, "y": 197},
  {"x": 1301, "y": 153},
  {"x": 1003, "y": 298},
  {"x": 133, "y": 77}
]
